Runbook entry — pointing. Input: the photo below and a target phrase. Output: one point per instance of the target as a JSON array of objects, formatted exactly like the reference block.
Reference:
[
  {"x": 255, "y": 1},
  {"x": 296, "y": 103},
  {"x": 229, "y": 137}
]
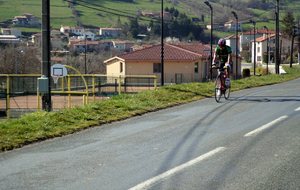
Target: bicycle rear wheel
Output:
[
  {"x": 227, "y": 93},
  {"x": 218, "y": 91}
]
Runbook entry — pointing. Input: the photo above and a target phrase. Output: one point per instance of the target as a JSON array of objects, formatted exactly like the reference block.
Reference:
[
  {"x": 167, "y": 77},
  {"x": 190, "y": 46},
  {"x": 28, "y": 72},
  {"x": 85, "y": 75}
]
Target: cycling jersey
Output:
[{"x": 223, "y": 54}]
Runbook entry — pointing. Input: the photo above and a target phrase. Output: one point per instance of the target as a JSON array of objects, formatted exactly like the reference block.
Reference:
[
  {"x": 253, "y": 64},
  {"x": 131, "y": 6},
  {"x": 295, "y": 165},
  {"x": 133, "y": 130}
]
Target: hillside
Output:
[{"x": 105, "y": 13}]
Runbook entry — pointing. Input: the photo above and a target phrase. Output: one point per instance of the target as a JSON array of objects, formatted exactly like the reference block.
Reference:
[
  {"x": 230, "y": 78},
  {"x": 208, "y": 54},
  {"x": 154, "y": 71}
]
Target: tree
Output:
[
  {"x": 191, "y": 36},
  {"x": 134, "y": 27},
  {"x": 119, "y": 24},
  {"x": 176, "y": 13},
  {"x": 287, "y": 24}
]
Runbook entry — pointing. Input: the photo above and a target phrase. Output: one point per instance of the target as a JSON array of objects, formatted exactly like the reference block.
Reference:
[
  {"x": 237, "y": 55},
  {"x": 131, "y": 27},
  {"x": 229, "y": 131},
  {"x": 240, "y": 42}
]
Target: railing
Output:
[{"x": 18, "y": 93}]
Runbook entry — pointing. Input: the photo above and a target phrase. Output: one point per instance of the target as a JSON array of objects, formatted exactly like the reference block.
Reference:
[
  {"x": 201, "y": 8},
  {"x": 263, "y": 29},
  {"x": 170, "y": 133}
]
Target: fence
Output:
[{"x": 18, "y": 93}]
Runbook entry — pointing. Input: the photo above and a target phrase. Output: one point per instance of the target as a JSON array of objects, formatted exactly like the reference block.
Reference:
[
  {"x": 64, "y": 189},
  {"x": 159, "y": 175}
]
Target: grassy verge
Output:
[{"x": 43, "y": 125}]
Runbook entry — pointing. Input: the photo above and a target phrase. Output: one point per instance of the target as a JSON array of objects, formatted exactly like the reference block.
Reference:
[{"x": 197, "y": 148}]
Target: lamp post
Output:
[
  {"x": 85, "y": 56},
  {"x": 236, "y": 45},
  {"x": 162, "y": 42},
  {"x": 268, "y": 52},
  {"x": 254, "y": 56},
  {"x": 211, "y": 29}
]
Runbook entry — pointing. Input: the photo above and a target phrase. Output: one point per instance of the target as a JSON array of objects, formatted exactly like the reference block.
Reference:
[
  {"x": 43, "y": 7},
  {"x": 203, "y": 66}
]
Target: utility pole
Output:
[
  {"x": 46, "y": 98},
  {"x": 277, "y": 39},
  {"x": 292, "y": 49},
  {"x": 162, "y": 42},
  {"x": 211, "y": 36}
]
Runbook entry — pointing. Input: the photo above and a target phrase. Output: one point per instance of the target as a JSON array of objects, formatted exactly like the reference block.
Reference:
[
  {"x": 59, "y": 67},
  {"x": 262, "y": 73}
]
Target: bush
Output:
[
  {"x": 263, "y": 71},
  {"x": 246, "y": 73},
  {"x": 259, "y": 69}
]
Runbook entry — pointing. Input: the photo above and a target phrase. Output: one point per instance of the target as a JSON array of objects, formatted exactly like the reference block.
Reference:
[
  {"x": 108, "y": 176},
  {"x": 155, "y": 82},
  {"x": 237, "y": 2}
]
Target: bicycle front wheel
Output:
[
  {"x": 227, "y": 93},
  {"x": 218, "y": 91}
]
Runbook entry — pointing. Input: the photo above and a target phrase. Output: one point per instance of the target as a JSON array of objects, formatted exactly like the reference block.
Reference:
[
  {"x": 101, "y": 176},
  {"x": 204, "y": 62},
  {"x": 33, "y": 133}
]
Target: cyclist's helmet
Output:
[{"x": 222, "y": 42}]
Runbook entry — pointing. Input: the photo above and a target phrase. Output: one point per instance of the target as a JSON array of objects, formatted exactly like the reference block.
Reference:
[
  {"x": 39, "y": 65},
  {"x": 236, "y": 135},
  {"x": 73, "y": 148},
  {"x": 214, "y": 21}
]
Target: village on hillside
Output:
[{"x": 70, "y": 38}]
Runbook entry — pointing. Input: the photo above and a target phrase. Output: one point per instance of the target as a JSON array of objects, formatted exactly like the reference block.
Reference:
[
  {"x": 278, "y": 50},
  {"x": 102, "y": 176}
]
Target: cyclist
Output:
[{"x": 223, "y": 52}]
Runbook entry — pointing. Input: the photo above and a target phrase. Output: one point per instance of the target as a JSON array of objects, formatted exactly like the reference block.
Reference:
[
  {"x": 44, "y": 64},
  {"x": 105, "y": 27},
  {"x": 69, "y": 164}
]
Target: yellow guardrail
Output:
[{"x": 69, "y": 92}]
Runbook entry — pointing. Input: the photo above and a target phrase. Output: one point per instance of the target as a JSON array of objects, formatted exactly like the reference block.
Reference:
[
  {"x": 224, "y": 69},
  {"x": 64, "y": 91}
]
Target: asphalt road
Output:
[{"x": 251, "y": 141}]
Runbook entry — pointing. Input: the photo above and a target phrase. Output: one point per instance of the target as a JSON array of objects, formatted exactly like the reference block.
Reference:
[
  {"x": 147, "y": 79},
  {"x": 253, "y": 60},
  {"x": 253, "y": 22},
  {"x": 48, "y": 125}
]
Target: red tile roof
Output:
[
  {"x": 231, "y": 37},
  {"x": 263, "y": 38},
  {"x": 259, "y": 31},
  {"x": 232, "y": 21},
  {"x": 171, "y": 52}
]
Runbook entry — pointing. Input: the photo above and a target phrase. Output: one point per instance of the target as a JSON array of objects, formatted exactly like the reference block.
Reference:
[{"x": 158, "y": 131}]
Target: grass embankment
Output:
[{"x": 43, "y": 125}]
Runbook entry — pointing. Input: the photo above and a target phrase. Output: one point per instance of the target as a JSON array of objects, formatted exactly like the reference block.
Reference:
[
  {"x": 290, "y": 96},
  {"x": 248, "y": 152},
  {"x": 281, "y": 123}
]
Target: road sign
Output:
[{"x": 58, "y": 69}]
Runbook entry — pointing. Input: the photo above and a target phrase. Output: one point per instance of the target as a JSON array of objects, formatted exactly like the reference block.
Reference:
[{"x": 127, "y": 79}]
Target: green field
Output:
[{"x": 105, "y": 13}]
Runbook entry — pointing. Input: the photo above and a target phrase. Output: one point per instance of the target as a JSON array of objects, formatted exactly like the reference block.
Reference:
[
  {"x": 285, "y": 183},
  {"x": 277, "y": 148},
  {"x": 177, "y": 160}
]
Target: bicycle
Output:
[{"x": 220, "y": 87}]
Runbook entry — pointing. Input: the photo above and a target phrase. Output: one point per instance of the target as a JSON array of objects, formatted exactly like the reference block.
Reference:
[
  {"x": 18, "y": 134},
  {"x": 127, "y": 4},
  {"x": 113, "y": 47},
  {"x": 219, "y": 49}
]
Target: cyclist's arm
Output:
[
  {"x": 229, "y": 60},
  {"x": 215, "y": 57}
]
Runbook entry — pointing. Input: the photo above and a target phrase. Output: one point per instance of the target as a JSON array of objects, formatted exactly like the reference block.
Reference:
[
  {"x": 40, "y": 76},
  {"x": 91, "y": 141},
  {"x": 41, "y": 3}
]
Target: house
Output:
[
  {"x": 37, "y": 39},
  {"x": 25, "y": 19},
  {"x": 18, "y": 20},
  {"x": 75, "y": 30},
  {"x": 248, "y": 36},
  {"x": 110, "y": 31},
  {"x": 89, "y": 36},
  {"x": 261, "y": 47},
  {"x": 9, "y": 39},
  {"x": 231, "y": 41},
  {"x": 123, "y": 45},
  {"x": 167, "y": 15},
  {"x": 81, "y": 46},
  {"x": 149, "y": 14},
  {"x": 139, "y": 47},
  {"x": 12, "y": 31},
  {"x": 58, "y": 34},
  {"x": 56, "y": 43},
  {"x": 55, "y": 33},
  {"x": 231, "y": 25},
  {"x": 32, "y": 20},
  {"x": 216, "y": 26},
  {"x": 187, "y": 63},
  {"x": 106, "y": 45}
]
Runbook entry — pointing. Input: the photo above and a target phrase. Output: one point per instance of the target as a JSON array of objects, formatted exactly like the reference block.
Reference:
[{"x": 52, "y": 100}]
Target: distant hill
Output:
[{"x": 105, "y": 13}]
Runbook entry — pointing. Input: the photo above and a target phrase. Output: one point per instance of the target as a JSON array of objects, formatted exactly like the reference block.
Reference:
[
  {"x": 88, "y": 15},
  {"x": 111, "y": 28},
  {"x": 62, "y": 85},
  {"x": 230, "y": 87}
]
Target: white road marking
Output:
[
  {"x": 298, "y": 109},
  {"x": 149, "y": 183},
  {"x": 265, "y": 126}
]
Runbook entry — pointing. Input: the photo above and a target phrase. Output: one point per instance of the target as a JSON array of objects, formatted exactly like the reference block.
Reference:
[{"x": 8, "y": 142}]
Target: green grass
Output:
[
  {"x": 61, "y": 14},
  {"x": 42, "y": 125}
]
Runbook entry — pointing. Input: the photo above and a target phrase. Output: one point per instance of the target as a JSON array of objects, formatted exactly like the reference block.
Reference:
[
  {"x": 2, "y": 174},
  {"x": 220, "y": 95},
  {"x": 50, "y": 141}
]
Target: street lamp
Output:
[
  {"x": 85, "y": 55},
  {"x": 211, "y": 29},
  {"x": 268, "y": 52},
  {"x": 254, "y": 57},
  {"x": 236, "y": 45}
]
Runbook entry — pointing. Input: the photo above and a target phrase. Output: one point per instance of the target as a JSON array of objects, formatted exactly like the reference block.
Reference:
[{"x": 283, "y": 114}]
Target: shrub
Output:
[
  {"x": 246, "y": 73},
  {"x": 263, "y": 71},
  {"x": 259, "y": 69}
]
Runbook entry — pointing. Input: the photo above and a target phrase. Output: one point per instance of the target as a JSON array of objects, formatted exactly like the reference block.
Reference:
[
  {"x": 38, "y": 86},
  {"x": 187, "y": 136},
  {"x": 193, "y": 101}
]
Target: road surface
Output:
[{"x": 251, "y": 141}]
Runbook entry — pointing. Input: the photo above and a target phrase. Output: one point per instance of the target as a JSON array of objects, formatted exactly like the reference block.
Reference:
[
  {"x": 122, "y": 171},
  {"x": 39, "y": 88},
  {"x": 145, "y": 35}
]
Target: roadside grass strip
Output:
[{"x": 38, "y": 126}]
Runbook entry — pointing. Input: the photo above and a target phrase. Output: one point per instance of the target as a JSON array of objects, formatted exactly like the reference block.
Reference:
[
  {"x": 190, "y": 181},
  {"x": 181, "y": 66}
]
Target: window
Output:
[
  {"x": 156, "y": 67},
  {"x": 121, "y": 67},
  {"x": 258, "y": 58},
  {"x": 258, "y": 49},
  {"x": 196, "y": 67}
]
